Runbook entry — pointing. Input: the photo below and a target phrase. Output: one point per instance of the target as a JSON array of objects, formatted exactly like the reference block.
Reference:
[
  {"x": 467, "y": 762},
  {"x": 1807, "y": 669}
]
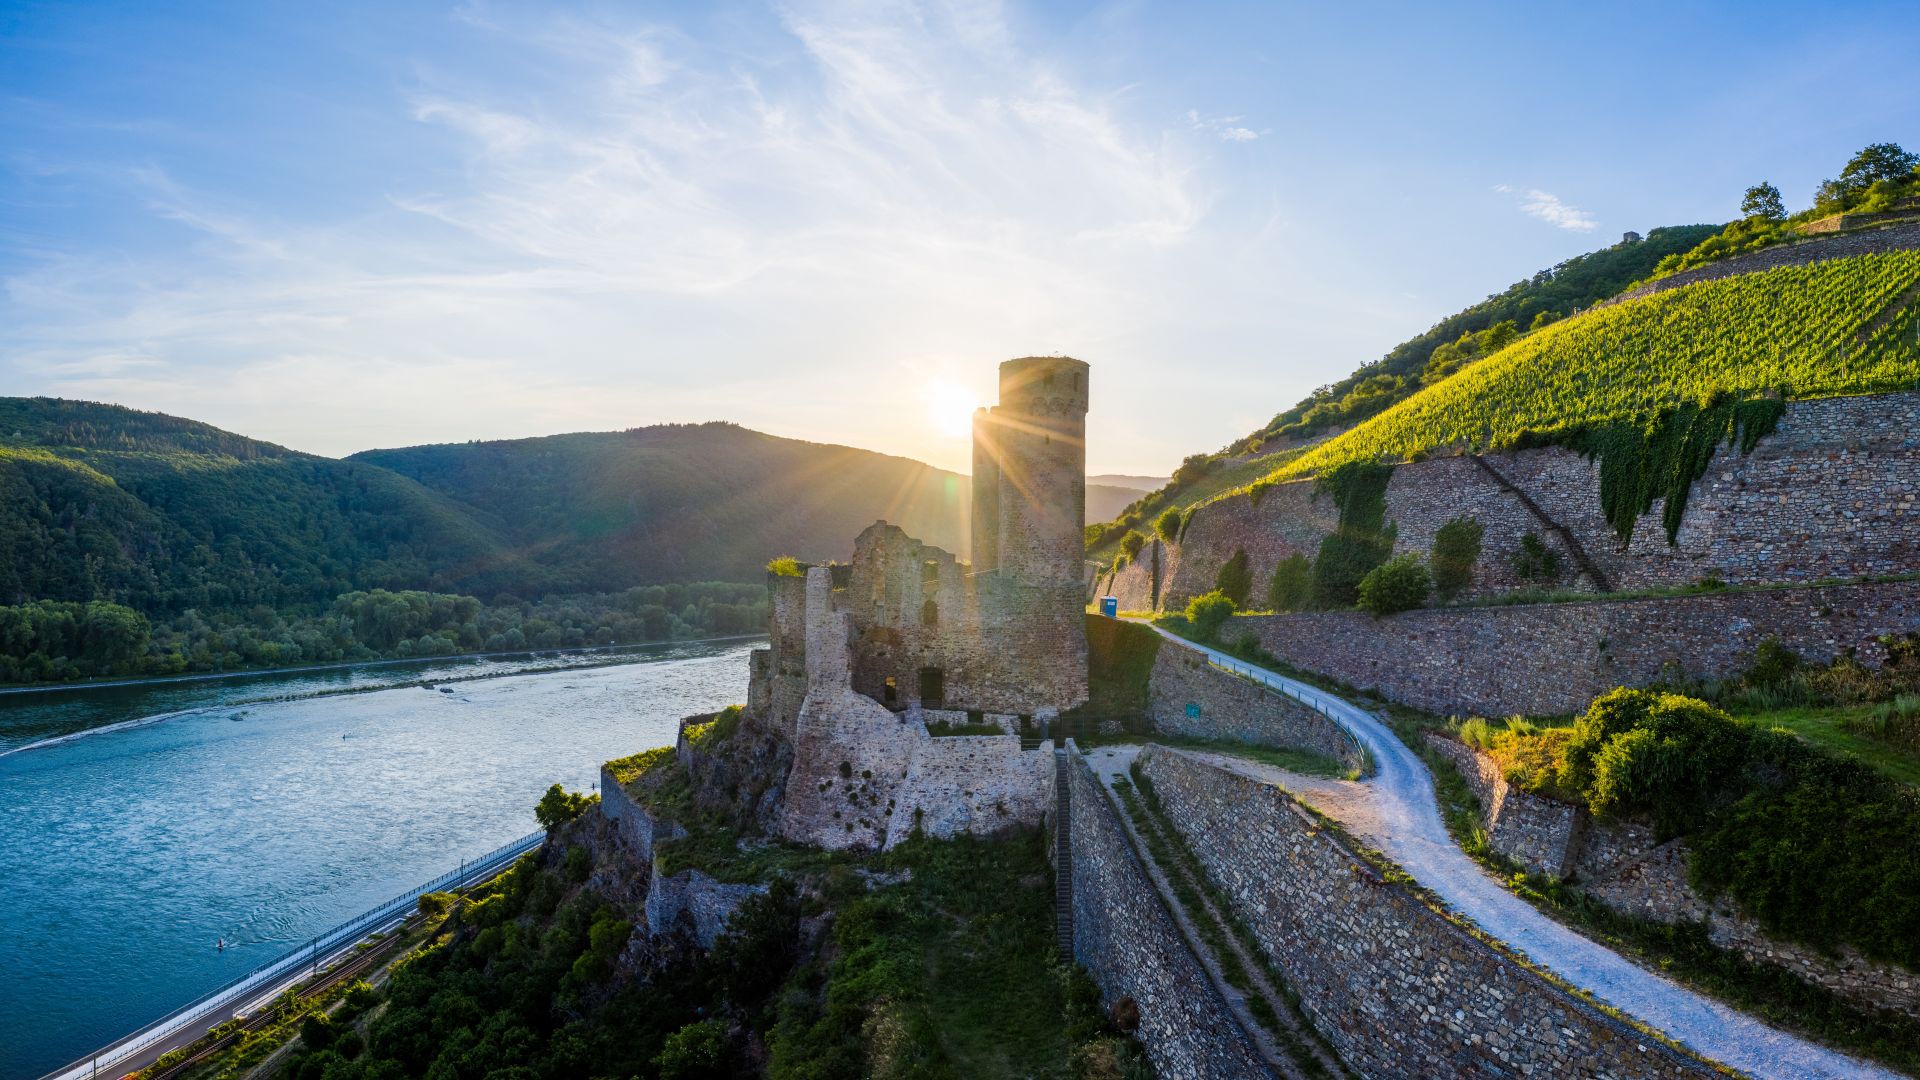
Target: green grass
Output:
[
  {"x": 1303, "y": 762},
  {"x": 1831, "y": 728},
  {"x": 1794, "y": 328}
]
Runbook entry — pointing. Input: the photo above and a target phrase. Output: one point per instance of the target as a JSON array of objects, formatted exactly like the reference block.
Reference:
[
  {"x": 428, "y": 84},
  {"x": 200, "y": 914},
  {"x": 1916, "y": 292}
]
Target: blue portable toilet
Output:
[{"x": 1110, "y": 606}]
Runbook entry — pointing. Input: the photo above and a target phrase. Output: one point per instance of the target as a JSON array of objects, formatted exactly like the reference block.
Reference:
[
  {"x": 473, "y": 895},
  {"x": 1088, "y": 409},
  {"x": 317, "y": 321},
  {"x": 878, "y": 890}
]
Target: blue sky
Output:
[{"x": 350, "y": 225}]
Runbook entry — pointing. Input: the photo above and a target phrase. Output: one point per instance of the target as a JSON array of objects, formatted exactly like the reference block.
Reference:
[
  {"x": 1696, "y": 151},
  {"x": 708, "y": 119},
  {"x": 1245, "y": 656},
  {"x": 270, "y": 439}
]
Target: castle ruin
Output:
[{"x": 869, "y": 660}]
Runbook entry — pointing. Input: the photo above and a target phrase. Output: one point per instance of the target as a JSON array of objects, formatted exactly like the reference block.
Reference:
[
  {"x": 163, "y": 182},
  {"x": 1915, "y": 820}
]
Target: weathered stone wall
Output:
[
  {"x": 1126, "y": 939},
  {"x": 1186, "y": 695},
  {"x": 980, "y": 784},
  {"x": 1543, "y": 659},
  {"x": 1138, "y": 586},
  {"x": 1829, "y": 495},
  {"x": 1542, "y": 835},
  {"x": 635, "y": 827},
  {"x": 694, "y": 903},
  {"x": 1399, "y": 989}
]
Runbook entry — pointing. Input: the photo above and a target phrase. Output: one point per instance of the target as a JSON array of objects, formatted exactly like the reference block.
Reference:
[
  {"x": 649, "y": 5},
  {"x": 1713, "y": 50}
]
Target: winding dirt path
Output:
[{"x": 1395, "y": 809}]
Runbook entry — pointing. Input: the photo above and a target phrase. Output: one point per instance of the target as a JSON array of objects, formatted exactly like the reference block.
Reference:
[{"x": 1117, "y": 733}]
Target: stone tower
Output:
[{"x": 1039, "y": 447}]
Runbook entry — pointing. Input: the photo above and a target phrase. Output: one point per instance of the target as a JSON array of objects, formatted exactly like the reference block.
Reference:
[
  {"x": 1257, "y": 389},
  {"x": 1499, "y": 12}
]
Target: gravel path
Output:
[{"x": 1399, "y": 814}]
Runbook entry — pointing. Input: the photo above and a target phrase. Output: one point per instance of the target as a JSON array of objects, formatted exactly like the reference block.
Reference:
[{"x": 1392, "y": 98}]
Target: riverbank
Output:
[{"x": 301, "y": 669}]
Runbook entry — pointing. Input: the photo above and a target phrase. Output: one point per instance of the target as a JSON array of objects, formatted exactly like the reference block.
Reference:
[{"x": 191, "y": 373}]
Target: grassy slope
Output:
[
  {"x": 1828, "y": 728},
  {"x": 1798, "y": 329}
]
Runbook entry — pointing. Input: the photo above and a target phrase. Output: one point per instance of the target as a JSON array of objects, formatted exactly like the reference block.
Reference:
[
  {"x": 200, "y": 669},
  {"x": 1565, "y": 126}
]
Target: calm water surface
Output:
[{"x": 126, "y": 853}]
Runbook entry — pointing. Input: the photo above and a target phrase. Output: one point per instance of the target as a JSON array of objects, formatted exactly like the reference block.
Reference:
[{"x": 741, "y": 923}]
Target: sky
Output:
[{"x": 369, "y": 224}]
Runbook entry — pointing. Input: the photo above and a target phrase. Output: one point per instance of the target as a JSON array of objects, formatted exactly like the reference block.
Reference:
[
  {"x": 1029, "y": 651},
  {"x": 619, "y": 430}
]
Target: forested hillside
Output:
[{"x": 608, "y": 510}]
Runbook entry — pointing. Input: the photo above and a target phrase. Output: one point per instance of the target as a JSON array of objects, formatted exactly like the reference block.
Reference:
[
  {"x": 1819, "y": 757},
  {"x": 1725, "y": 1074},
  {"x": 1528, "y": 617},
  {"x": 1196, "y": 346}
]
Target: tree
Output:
[
  {"x": 559, "y": 806},
  {"x": 1208, "y": 613},
  {"x": 1235, "y": 580},
  {"x": 1456, "y": 547},
  {"x": 1880, "y": 161},
  {"x": 1131, "y": 544},
  {"x": 1400, "y": 584},
  {"x": 1292, "y": 583},
  {"x": 1168, "y": 525},
  {"x": 1496, "y": 337},
  {"x": 1763, "y": 200},
  {"x": 1541, "y": 319}
]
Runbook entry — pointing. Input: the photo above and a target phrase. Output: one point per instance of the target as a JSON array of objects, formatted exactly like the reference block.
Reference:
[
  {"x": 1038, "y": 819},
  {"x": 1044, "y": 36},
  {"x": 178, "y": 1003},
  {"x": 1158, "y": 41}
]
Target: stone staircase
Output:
[{"x": 1062, "y": 857}]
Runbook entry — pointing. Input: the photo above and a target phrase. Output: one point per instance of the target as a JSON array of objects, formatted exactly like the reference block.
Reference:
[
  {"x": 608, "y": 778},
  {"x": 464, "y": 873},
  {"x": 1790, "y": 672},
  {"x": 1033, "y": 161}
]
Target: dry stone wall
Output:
[
  {"x": 1545, "y": 659},
  {"x": 1186, "y": 695},
  {"x": 1830, "y": 495},
  {"x": 1542, "y": 835},
  {"x": 980, "y": 784},
  {"x": 1399, "y": 989},
  {"x": 694, "y": 903},
  {"x": 1894, "y": 238},
  {"x": 1128, "y": 942}
]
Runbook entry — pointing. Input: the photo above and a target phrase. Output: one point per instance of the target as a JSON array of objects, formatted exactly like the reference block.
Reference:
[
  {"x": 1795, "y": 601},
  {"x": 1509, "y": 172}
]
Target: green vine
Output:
[
  {"x": 1362, "y": 540},
  {"x": 1645, "y": 460}
]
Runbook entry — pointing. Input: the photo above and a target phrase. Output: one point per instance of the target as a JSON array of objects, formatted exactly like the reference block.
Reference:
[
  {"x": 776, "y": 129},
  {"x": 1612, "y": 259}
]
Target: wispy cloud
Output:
[
  {"x": 1549, "y": 208},
  {"x": 1224, "y": 128}
]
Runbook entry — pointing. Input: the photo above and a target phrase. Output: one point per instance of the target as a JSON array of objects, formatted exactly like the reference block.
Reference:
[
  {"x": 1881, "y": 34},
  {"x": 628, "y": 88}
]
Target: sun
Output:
[{"x": 950, "y": 409}]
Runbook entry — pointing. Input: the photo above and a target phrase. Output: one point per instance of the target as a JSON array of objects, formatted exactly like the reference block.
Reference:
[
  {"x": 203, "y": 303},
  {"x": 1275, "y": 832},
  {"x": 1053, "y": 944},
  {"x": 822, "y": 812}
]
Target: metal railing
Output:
[{"x": 235, "y": 993}]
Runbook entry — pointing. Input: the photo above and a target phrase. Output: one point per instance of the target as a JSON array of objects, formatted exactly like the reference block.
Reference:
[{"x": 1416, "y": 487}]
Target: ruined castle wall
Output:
[
  {"x": 1186, "y": 695},
  {"x": 638, "y": 829},
  {"x": 694, "y": 903},
  {"x": 1397, "y": 987},
  {"x": 1831, "y": 494},
  {"x": 1128, "y": 942},
  {"x": 980, "y": 784},
  {"x": 1545, "y": 659}
]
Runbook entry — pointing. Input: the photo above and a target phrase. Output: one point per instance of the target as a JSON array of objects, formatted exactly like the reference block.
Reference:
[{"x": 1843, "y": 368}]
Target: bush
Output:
[
  {"x": 1208, "y": 613},
  {"x": 1456, "y": 547},
  {"x": 1169, "y": 524},
  {"x": 1291, "y": 585},
  {"x": 1400, "y": 584},
  {"x": 695, "y": 1052},
  {"x": 1535, "y": 563},
  {"x": 787, "y": 566},
  {"x": 1131, "y": 544},
  {"x": 1235, "y": 580},
  {"x": 559, "y": 806}
]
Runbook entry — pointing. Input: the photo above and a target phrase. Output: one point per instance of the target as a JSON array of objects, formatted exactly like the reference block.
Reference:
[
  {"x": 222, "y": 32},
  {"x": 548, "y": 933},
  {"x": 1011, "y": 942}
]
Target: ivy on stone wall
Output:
[
  {"x": 1362, "y": 540},
  {"x": 1645, "y": 460}
]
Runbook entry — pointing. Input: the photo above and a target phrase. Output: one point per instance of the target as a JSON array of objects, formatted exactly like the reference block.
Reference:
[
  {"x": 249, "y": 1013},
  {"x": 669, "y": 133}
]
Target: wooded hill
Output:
[{"x": 162, "y": 514}]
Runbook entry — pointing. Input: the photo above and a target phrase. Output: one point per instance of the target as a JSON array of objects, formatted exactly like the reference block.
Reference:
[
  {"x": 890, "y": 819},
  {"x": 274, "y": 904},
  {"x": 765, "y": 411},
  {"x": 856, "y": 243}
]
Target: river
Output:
[{"x": 130, "y": 847}]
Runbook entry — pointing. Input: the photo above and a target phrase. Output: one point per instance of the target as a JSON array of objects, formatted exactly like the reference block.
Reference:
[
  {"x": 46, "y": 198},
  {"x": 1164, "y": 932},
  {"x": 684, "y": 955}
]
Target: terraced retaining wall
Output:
[
  {"x": 1831, "y": 494},
  {"x": 1548, "y": 659},
  {"x": 1130, "y": 945},
  {"x": 1186, "y": 695},
  {"x": 1398, "y": 988}
]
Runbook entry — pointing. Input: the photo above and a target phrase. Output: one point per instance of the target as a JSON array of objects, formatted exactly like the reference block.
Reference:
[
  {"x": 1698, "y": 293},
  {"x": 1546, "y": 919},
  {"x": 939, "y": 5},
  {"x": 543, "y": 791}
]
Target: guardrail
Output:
[{"x": 267, "y": 975}]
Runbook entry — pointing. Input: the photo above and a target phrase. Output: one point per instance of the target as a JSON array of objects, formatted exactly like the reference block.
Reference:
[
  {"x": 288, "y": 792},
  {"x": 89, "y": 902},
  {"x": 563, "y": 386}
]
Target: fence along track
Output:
[{"x": 104, "y": 1061}]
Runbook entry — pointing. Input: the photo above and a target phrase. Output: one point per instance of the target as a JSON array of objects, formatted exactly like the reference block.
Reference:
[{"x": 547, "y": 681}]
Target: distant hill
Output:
[
  {"x": 1105, "y": 502},
  {"x": 100, "y": 502},
  {"x": 677, "y": 502},
  {"x": 1123, "y": 480}
]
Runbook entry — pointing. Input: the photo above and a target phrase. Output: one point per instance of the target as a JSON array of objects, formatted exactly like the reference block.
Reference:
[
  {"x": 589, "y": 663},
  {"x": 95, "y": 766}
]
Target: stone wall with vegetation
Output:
[
  {"x": 1540, "y": 834},
  {"x": 1829, "y": 495},
  {"x": 1186, "y": 695},
  {"x": 1126, "y": 939},
  {"x": 1550, "y": 659},
  {"x": 1399, "y": 988}
]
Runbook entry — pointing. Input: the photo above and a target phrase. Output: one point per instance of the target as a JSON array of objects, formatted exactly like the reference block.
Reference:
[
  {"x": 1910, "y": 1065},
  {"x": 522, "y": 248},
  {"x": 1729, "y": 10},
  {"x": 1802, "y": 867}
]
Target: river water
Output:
[{"x": 128, "y": 848}]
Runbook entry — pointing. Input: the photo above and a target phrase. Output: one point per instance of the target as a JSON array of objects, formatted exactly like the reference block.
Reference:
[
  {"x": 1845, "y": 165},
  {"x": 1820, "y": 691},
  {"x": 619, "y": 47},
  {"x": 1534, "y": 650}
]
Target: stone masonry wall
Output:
[
  {"x": 1399, "y": 989},
  {"x": 979, "y": 784},
  {"x": 1183, "y": 683},
  {"x": 1831, "y": 494},
  {"x": 1545, "y": 659},
  {"x": 1128, "y": 942},
  {"x": 635, "y": 827},
  {"x": 1542, "y": 835}
]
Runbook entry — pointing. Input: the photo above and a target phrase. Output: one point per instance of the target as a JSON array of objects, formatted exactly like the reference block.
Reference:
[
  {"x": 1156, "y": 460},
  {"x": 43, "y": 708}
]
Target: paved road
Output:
[{"x": 1399, "y": 814}]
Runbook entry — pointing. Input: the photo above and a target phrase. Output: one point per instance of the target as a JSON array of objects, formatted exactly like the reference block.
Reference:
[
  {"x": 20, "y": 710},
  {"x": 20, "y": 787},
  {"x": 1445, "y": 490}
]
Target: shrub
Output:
[
  {"x": 786, "y": 566},
  {"x": 1235, "y": 580},
  {"x": 1772, "y": 664},
  {"x": 559, "y": 806},
  {"x": 1208, "y": 613},
  {"x": 1456, "y": 547},
  {"x": 1397, "y": 585},
  {"x": 1292, "y": 582},
  {"x": 1168, "y": 525},
  {"x": 695, "y": 1052},
  {"x": 1131, "y": 544},
  {"x": 1535, "y": 563}
]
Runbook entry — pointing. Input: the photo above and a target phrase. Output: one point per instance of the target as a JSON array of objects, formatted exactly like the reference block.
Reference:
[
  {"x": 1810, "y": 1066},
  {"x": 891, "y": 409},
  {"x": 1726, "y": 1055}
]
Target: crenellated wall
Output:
[
  {"x": 1128, "y": 942},
  {"x": 1398, "y": 988},
  {"x": 1830, "y": 495},
  {"x": 1186, "y": 695},
  {"x": 1549, "y": 659}
]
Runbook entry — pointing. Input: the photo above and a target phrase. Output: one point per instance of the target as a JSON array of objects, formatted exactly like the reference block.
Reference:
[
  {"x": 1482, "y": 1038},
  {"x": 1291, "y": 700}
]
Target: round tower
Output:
[{"x": 1040, "y": 435}]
